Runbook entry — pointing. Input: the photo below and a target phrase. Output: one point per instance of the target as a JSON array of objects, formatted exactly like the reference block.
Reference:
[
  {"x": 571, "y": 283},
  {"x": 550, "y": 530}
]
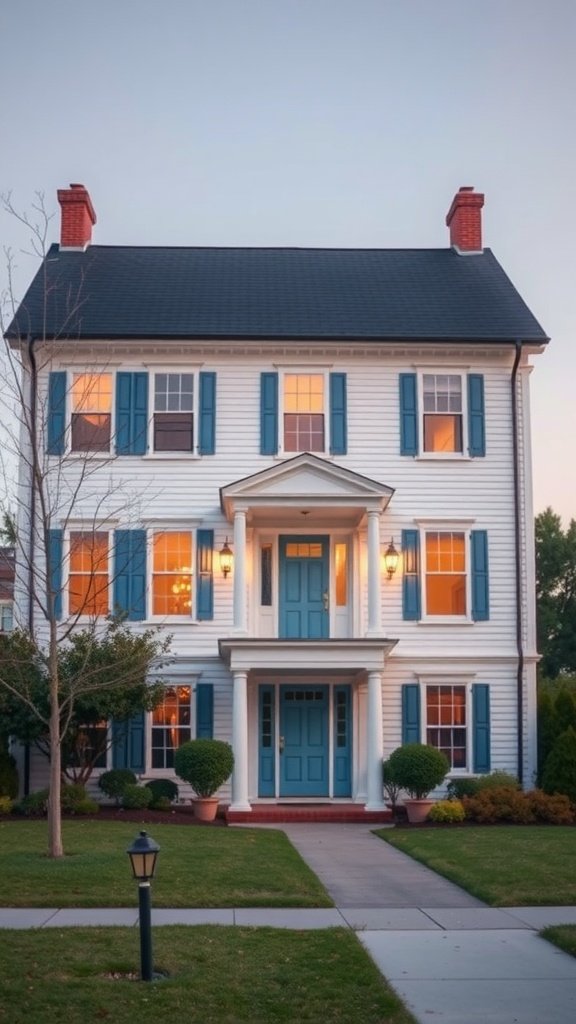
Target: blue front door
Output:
[
  {"x": 304, "y": 588},
  {"x": 304, "y": 741}
]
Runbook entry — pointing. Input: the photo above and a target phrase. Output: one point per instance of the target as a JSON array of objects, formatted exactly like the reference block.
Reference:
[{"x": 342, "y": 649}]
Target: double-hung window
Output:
[
  {"x": 304, "y": 401},
  {"x": 170, "y": 725},
  {"x": 442, "y": 415},
  {"x": 442, "y": 427},
  {"x": 6, "y": 617},
  {"x": 88, "y": 580},
  {"x": 173, "y": 424},
  {"x": 91, "y": 415},
  {"x": 447, "y": 723},
  {"x": 445, "y": 573},
  {"x": 172, "y": 572}
]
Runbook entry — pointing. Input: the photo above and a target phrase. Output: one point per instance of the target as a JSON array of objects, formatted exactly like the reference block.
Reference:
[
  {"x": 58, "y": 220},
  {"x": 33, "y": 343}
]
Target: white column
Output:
[
  {"x": 240, "y": 800},
  {"x": 375, "y": 743},
  {"x": 240, "y": 621},
  {"x": 374, "y": 593}
]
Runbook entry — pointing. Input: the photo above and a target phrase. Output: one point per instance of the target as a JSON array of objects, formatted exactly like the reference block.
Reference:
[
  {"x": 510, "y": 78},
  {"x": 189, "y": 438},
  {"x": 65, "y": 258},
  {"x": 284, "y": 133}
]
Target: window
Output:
[
  {"x": 446, "y": 722},
  {"x": 173, "y": 412},
  {"x": 304, "y": 413},
  {"x": 443, "y": 412},
  {"x": 445, "y": 573},
  {"x": 88, "y": 578},
  {"x": 90, "y": 745},
  {"x": 266, "y": 575},
  {"x": 6, "y": 618},
  {"x": 170, "y": 725},
  {"x": 172, "y": 573},
  {"x": 91, "y": 412},
  {"x": 341, "y": 574}
]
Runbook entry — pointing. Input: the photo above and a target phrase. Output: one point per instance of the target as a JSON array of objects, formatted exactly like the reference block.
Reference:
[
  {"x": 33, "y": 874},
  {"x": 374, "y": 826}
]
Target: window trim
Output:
[
  {"x": 466, "y": 680},
  {"x": 462, "y": 373},
  {"x": 300, "y": 371},
  {"x": 105, "y": 453},
  {"x": 80, "y": 527},
  {"x": 191, "y": 680},
  {"x": 8, "y": 604},
  {"x": 154, "y": 371},
  {"x": 175, "y": 527},
  {"x": 446, "y": 526}
]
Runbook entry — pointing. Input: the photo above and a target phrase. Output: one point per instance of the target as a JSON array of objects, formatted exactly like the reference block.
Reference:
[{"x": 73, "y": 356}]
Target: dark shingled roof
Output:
[{"x": 364, "y": 294}]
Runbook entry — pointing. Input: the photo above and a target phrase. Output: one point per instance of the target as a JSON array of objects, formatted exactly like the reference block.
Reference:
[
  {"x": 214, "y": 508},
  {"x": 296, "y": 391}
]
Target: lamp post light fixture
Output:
[
  {"x": 226, "y": 557},
  {"x": 143, "y": 856},
  {"x": 391, "y": 558}
]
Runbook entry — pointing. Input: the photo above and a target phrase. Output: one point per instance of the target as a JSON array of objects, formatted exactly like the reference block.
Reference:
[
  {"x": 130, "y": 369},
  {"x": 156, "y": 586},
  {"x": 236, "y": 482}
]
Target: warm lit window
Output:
[
  {"x": 304, "y": 412},
  {"x": 173, "y": 412},
  {"x": 6, "y": 618},
  {"x": 442, "y": 403},
  {"x": 170, "y": 725},
  {"x": 341, "y": 559},
  {"x": 91, "y": 412},
  {"x": 172, "y": 573},
  {"x": 445, "y": 573},
  {"x": 88, "y": 580},
  {"x": 446, "y": 722}
]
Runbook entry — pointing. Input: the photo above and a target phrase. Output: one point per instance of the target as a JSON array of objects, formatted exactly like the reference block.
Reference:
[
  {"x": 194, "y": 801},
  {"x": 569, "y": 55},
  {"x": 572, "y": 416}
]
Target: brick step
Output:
[{"x": 337, "y": 813}]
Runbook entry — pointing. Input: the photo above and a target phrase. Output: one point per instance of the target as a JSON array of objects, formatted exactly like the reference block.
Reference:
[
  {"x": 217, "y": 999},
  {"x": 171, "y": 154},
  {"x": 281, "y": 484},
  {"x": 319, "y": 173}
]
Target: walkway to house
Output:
[{"x": 448, "y": 956}]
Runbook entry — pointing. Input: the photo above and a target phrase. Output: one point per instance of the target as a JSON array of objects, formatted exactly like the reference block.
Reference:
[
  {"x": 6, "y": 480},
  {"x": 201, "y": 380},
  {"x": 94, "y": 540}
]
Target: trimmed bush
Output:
[
  {"x": 499, "y": 803},
  {"x": 162, "y": 790},
  {"x": 5, "y": 806},
  {"x": 459, "y": 788},
  {"x": 204, "y": 764},
  {"x": 495, "y": 780},
  {"x": 559, "y": 774},
  {"x": 391, "y": 787},
  {"x": 555, "y": 809},
  {"x": 447, "y": 811},
  {"x": 418, "y": 768},
  {"x": 8, "y": 775},
  {"x": 71, "y": 794},
  {"x": 35, "y": 805},
  {"x": 86, "y": 807},
  {"x": 134, "y": 798},
  {"x": 114, "y": 782},
  {"x": 161, "y": 804}
]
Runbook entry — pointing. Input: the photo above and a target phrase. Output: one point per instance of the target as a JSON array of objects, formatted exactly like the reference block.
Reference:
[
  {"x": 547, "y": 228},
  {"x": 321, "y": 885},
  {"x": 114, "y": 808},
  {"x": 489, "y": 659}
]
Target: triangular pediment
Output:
[{"x": 305, "y": 479}]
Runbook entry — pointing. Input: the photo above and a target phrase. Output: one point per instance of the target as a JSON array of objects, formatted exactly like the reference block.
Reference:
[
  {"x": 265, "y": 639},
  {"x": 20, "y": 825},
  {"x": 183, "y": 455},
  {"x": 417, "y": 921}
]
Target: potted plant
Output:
[
  {"x": 418, "y": 769},
  {"x": 205, "y": 765}
]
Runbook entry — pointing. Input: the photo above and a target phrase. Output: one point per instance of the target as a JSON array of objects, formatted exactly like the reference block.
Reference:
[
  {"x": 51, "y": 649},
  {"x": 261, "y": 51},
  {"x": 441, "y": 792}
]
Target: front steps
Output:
[{"x": 337, "y": 813}]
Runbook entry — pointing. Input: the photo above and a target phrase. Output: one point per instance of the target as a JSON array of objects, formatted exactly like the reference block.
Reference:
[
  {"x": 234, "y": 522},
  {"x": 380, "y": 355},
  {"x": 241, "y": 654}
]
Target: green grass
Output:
[
  {"x": 563, "y": 936},
  {"x": 215, "y": 974},
  {"x": 197, "y": 867},
  {"x": 506, "y": 866}
]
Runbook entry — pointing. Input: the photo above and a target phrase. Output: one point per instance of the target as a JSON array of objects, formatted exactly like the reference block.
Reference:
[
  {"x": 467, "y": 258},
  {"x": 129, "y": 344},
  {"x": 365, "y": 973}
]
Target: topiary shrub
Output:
[
  {"x": 446, "y": 811},
  {"x": 495, "y": 780},
  {"x": 391, "y": 787},
  {"x": 71, "y": 794},
  {"x": 35, "y": 805},
  {"x": 5, "y": 806},
  {"x": 114, "y": 782},
  {"x": 134, "y": 798},
  {"x": 164, "y": 790},
  {"x": 499, "y": 803},
  {"x": 204, "y": 764},
  {"x": 458, "y": 788},
  {"x": 554, "y": 809},
  {"x": 418, "y": 768},
  {"x": 8, "y": 775},
  {"x": 559, "y": 774}
]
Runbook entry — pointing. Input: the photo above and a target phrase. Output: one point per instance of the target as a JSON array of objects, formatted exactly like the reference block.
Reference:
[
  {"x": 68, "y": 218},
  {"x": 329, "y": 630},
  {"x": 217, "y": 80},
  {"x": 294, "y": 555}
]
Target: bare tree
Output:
[{"x": 76, "y": 494}]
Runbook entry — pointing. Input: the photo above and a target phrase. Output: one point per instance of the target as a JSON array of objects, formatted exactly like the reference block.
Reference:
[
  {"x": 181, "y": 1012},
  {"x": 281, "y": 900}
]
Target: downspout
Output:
[
  {"x": 518, "y": 553},
  {"x": 31, "y": 545}
]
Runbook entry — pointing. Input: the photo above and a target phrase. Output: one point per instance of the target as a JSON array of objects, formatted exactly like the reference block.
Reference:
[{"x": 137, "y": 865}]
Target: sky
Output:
[{"x": 312, "y": 123}]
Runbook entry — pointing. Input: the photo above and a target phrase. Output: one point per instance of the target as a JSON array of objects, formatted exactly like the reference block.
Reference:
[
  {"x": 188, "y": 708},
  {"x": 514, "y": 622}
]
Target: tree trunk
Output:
[{"x": 55, "y": 847}]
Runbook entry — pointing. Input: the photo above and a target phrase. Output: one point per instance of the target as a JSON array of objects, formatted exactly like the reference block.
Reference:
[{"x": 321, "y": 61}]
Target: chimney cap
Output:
[{"x": 77, "y": 193}]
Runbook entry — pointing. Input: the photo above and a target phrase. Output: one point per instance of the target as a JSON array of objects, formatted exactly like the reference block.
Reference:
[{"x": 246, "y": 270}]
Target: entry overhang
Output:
[{"x": 247, "y": 654}]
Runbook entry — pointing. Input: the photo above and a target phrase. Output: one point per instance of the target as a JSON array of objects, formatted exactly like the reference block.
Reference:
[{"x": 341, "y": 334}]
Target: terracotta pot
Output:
[
  {"x": 417, "y": 810},
  {"x": 205, "y": 807}
]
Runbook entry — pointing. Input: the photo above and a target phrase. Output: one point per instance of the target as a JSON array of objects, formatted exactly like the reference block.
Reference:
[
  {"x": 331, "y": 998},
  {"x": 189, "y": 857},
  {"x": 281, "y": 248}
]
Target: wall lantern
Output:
[
  {"x": 143, "y": 855},
  {"x": 391, "y": 559},
  {"x": 226, "y": 557}
]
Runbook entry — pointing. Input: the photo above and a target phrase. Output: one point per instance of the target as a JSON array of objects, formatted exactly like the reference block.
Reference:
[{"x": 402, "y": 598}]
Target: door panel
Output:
[
  {"x": 304, "y": 728},
  {"x": 304, "y": 587}
]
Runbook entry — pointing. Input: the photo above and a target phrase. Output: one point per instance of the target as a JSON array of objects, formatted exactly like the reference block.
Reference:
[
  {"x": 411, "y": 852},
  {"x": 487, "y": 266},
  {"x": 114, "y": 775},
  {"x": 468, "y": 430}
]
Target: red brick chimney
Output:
[
  {"x": 78, "y": 216},
  {"x": 465, "y": 220}
]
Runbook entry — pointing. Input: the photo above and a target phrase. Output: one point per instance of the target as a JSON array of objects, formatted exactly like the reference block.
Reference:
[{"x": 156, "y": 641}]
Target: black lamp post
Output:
[{"x": 143, "y": 855}]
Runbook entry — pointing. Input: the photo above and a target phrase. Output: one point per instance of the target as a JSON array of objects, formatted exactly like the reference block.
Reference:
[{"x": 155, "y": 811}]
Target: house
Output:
[
  {"x": 324, "y": 457},
  {"x": 7, "y": 573}
]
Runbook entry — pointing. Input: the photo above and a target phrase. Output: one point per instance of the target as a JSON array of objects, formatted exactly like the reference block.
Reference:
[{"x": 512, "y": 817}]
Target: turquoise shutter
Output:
[
  {"x": 130, "y": 573},
  {"x": 411, "y": 605},
  {"x": 54, "y": 560},
  {"x": 480, "y": 595},
  {"x": 204, "y": 574},
  {"x": 204, "y": 711},
  {"x": 338, "y": 426},
  {"x": 411, "y": 713},
  {"x": 56, "y": 422},
  {"x": 481, "y": 727},
  {"x": 267, "y": 745},
  {"x": 128, "y": 744},
  {"x": 207, "y": 417},
  {"x": 476, "y": 427},
  {"x": 408, "y": 414},
  {"x": 268, "y": 413},
  {"x": 131, "y": 413}
]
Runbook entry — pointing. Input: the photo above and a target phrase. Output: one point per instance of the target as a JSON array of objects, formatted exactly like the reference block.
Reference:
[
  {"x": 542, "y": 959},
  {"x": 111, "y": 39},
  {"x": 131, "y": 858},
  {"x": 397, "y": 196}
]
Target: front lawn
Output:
[
  {"x": 215, "y": 974},
  {"x": 504, "y": 865},
  {"x": 197, "y": 867},
  {"x": 563, "y": 936}
]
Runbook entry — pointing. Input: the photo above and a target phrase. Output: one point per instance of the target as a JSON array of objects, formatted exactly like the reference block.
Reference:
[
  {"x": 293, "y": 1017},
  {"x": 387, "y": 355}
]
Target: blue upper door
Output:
[
  {"x": 304, "y": 741},
  {"x": 304, "y": 588}
]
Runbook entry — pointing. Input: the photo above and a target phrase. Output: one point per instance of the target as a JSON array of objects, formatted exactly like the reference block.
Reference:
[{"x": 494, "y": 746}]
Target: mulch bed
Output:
[{"x": 180, "y": 815}]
